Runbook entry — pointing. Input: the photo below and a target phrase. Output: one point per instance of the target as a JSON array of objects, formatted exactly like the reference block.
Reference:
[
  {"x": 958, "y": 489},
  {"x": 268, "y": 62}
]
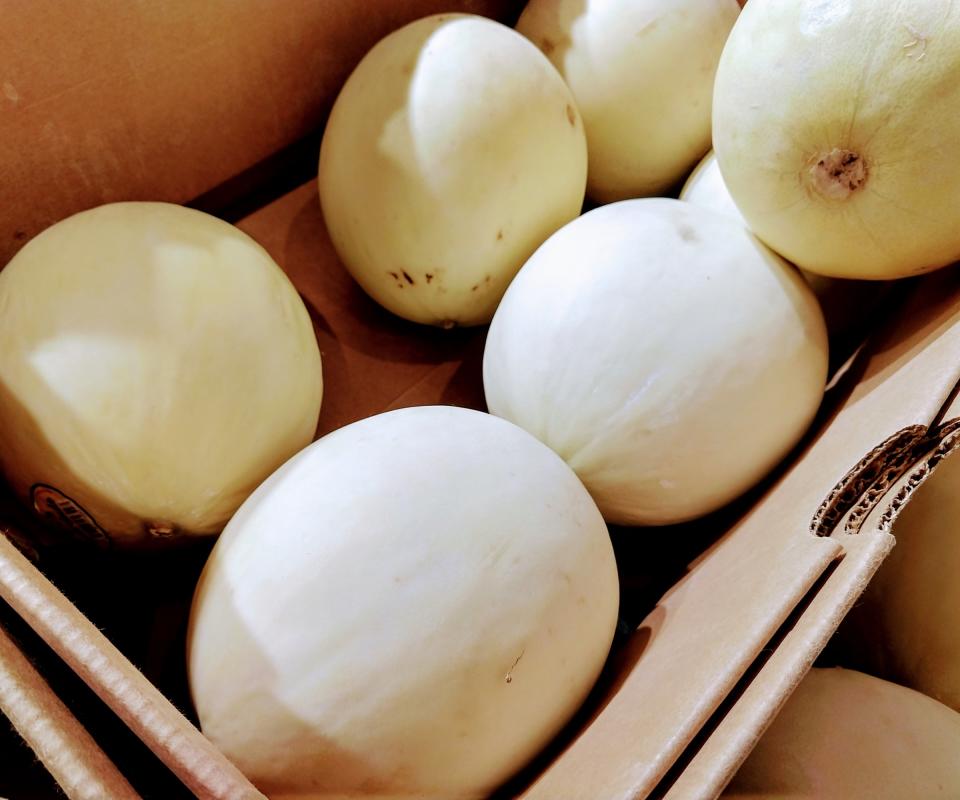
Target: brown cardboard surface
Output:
[
  {"x": 168, "y": 100},
  {"x": 372, "y": 360},
  {"x": 103, "y": 101}
]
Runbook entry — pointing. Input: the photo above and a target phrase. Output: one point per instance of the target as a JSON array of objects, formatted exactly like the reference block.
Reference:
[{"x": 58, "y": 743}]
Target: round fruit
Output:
[
  {"x": 642, "y": 74},
  {"x": 155, "y": 366},
  {"x": 835, "y": 126},
  {"x": 452, "y": 152},
  {"x": 664, "y": 352},
  {"x": 411, "y": 607}
]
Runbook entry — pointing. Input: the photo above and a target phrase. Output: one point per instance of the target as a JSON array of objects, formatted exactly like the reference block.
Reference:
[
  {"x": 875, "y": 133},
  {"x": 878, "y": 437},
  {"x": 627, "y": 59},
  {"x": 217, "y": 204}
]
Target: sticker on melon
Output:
[
  {"x": 155, "y": 365},
  {"x": 59, "y": 511}
]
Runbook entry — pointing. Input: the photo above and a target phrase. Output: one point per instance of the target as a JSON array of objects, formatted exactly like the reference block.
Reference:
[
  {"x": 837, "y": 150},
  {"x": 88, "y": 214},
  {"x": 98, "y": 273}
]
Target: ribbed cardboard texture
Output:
[{"x": 173, "y": 101}]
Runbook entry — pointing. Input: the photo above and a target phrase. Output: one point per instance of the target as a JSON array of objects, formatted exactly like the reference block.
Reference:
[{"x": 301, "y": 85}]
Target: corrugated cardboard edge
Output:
[
  {"x": 896, "y": 394},
  {"x": 56, "y": 736},
  {"x": 947, "y": 440}
]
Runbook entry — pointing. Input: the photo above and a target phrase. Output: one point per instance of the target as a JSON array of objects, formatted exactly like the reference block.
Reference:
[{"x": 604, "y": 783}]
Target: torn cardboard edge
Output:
[{"x": 899, "y": 493}]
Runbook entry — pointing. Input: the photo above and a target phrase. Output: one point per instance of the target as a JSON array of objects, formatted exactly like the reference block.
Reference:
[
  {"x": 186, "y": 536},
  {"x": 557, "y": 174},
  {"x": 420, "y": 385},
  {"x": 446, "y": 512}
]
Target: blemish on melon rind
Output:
[
  {"x": 571, "y": 115},
  {"x": 837, "y": 174},
  {"x": 407, "y": 278},
  {"x": 428, "y": 276}
]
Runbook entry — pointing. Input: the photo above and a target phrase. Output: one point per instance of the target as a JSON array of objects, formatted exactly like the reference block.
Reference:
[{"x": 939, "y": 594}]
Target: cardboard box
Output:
[{"x": 220, "y": 105}]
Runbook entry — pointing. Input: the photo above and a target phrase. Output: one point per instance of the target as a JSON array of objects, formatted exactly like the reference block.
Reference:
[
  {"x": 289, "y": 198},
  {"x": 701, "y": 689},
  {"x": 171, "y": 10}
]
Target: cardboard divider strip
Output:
[
  {"x": 62, "y": 744},
  {"x": 715, "y": 763},
  {"x": 174, "y": 740}
]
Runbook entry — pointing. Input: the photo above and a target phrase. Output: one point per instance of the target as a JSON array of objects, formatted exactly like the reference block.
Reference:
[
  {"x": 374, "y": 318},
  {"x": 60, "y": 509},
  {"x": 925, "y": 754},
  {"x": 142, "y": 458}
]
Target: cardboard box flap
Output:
[{"x": 707, "y": 631}]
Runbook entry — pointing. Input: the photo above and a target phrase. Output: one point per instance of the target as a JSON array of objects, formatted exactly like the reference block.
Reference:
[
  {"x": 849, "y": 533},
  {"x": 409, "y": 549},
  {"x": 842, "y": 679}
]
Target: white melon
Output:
[
  {"x": 642, "y": 74},
  {"x": 411, "y": 607},
  {"x": 452, "y": 152},
  {"x": 664, "y": 352},
  {"x": 835, "y": 124},
  {"x": 155, "y": 366}
]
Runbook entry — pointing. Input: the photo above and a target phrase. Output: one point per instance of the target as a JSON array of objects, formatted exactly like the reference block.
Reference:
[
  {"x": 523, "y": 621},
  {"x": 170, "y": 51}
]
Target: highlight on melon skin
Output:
[
  {"x": 155, "y": 365},
  {"x": 411, "y": 607},
  {"x": 642, "y": 75},
  {"x": 835, "y": 125},
  {"x": 664, "y": 352},
  {"x": 453, "y": 150},
  {"x": 844, "y": 735}
]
